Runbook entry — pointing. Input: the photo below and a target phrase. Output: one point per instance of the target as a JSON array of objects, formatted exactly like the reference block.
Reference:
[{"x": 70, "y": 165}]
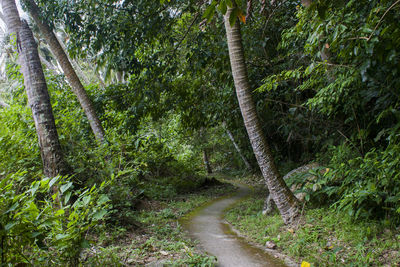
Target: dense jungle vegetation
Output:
[{"x": 114, "y": 134}]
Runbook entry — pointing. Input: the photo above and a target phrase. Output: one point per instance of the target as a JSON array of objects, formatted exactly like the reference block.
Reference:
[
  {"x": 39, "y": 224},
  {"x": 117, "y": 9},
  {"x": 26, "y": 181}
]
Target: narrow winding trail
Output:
[{"x": 207, "y": 226}]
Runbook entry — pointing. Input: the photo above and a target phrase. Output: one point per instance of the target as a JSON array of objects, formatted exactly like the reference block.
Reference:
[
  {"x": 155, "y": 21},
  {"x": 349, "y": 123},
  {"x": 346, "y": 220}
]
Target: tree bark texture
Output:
[
  {"x": 39, "y": 101},
  {"x": 36, "y": 88},
  {"x": 268, "y": 204},
  {"x": 286, "y": 202},
  {"x": 206, "y": 161},
  {"x": 239, "y": 151},
  {"x": 69, "y": 71},
  {"x": 48, "y": 64},
  {"x": 11, "y": 16}
]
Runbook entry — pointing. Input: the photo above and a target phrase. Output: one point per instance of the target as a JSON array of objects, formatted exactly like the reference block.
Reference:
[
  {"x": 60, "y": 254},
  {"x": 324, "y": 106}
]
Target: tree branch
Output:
[{"x": 377, "y": 25}]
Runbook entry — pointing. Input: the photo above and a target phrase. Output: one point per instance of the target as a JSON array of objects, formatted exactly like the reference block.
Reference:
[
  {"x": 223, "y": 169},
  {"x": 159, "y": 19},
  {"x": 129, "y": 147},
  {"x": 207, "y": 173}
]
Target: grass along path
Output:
[
  {"x": 159, "y": 239},
  {"x": 325, "y": 238}
]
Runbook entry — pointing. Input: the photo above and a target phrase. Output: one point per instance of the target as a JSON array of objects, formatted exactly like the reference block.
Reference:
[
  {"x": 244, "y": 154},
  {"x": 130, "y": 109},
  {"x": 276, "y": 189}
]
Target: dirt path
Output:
[{"x": 215, "y": 237}]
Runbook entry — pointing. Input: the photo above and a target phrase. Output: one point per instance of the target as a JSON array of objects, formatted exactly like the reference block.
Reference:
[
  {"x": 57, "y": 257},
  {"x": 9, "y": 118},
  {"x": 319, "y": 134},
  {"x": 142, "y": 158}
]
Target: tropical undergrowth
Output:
[
  {"x": 345, "y": 79},
  {"x": 62, "y": 221},
  {"x": 324, "y": 237}
]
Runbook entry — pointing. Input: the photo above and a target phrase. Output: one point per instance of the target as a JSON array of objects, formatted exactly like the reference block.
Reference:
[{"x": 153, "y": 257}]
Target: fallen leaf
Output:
[
  {"x": 163, "y": 252},
  {"x": 305, "y": 264}
]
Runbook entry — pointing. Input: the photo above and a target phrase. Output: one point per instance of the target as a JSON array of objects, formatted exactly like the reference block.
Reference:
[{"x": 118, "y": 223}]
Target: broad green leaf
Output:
[
  {"x": 13, "y": 207},
  {"x": 85, "y": 244},
  {"x": 67, "y": 197},
  {"x": 59, "y": 212},
  {"x": 10, "y": 225},
  {"x": 103, "y": 199},
  {"x": 61, "y": 236},
  {"x": 86, "y": 200},
  {"x": 34, "y": 188},
  {"x": 233, "y": 16},
  {"x": 65, "y": 187},
  {"x": 99, "y": 215},
  {"x": 222, "y": 7},
  {"x": 210, "y": 10},
  {"x": 53, "y": 181}
]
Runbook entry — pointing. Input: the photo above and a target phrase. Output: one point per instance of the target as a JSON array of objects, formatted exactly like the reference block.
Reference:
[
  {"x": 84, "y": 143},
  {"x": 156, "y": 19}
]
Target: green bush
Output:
[
  {"x": 365, "y": 187},
  {"x": 40, "y": 226}
]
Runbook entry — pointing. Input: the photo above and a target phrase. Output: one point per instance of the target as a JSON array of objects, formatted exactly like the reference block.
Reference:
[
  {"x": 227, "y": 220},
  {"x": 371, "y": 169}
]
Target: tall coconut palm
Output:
[
  {"x": 69, "y": 71},
  {"x": 286, "y": 202},
  {"x": 36, "y": 89}
]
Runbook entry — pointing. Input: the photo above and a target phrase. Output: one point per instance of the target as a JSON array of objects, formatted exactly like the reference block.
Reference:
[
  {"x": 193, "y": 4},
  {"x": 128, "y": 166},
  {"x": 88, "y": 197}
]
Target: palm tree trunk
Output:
[
  {"x": 69, "y": 71},
  {"x": 11, "y": 16},
  {"x": 286, "y": 202},
  {"x": 48, "y": 64},
  {"x": 239, "y": 151},
  {"x": 74, "y": 63},
  {"x": 38, "y": 96},
  {"x": 101, "y": 81}
]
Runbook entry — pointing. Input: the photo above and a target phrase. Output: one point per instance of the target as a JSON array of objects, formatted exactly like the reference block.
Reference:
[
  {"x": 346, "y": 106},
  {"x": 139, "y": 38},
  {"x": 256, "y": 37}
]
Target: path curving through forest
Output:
[{"x": 207, "y": 225}]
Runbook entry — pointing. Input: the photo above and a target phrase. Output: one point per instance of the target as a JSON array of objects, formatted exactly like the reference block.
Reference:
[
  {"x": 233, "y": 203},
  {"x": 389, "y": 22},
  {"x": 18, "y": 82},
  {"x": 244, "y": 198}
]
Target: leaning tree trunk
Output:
[
  {"x": 239, "y": 151},
  {"x": 69, "y": 71},
  {"x": 48, "y": 64},
  {"x": 286, "y": 202},
  {"x": 36, "y": 88}
]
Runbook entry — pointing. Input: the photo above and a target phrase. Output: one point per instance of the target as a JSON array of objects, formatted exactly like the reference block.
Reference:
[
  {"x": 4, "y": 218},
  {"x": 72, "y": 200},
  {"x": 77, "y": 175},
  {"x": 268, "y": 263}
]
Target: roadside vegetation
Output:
[
  {"x": 112, "y": 113},
  {"x": 324, "y": 236}
]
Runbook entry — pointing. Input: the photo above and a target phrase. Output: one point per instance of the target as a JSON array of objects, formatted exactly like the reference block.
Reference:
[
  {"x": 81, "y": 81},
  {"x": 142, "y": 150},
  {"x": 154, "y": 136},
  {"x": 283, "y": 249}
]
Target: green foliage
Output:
[
  {"x": 364, "y": 187},
  {"x": 344, "y": 79},
  {"x": 47, "y": 222},
  {"x": 327, "y": 79},
  {"x": 325, "y": 237}
]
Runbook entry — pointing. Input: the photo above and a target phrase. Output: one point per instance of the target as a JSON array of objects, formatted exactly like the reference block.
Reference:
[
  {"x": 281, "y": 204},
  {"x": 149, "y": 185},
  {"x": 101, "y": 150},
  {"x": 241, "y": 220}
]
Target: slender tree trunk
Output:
[
  {"x": 206, "y": 161},
  {"x": 38, "y": 96},
  {"x": 101, "y": 81},
  {"x": 48, "y": 64},
  {"x": 239, "y": 151},
  {"x": 74, "y": 64},
  {"x": 120, "y": 77},
  {"x": 203, "y": 139},
  {"x": 69, "y": 71},
  {"x": 286, "y": 202},
  {"x": 11, "y": 16}
]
